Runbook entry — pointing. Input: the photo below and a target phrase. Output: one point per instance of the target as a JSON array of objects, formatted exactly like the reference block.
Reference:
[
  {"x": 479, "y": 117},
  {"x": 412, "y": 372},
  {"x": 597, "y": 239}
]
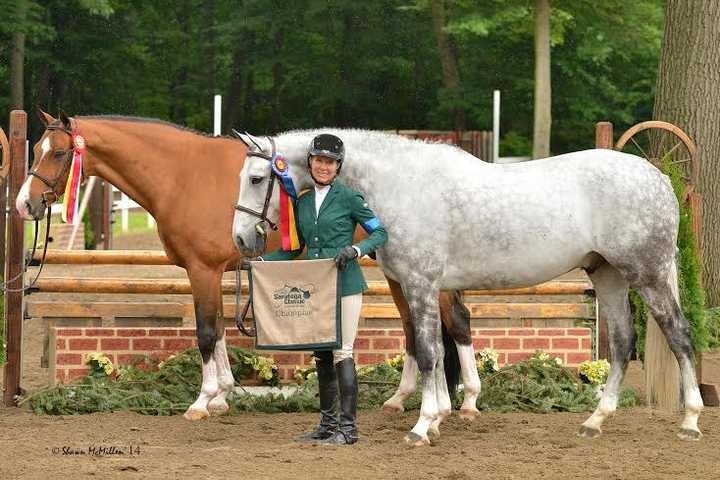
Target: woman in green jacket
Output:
[{"x": 326, "y": 220}]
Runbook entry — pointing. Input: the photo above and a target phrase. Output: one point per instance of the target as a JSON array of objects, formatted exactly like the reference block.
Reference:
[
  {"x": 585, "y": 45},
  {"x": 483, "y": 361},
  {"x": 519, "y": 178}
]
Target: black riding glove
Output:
[{"x": 344, "y": 256}]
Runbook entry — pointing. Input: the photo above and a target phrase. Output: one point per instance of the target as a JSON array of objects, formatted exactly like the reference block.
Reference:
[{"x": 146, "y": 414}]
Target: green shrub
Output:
[{"x": 692, "y": 296}]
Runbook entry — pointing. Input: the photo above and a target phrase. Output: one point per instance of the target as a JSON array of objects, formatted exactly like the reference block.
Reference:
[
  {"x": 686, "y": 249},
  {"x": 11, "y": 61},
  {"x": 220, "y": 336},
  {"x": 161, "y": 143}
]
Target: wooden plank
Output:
[
  {"x": 171, "y": 286},
  {"x": 104, "y": 257},
  {"x": 14, "y": 259},
  {"x": 121, "y": 257},
  {"x": 529, "y": 310},
  {"x": 54, "y": 309},
  {"x": 58, "y": 309}
]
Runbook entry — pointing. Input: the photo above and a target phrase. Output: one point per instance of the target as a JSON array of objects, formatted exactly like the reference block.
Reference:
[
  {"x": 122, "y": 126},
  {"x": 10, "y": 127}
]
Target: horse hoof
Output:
[
  {"x": 414, "y": 440},
  {"x": 434, "y": 432},
  {"x": 216, "y": 409},
  {"x": 588, "y": 432},
  {"x": 392, "y": 409},
  {"x": 195, "y": 415},
  {"x": 469, "y": 414},
  {"x": 689, "y": 435}
]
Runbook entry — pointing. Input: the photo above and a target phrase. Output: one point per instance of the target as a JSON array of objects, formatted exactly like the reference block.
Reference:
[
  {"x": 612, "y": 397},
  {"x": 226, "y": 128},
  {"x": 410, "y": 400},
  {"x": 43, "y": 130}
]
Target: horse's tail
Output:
[
  {"x": 455, "y": 327},
  {"x": 452, "y": 364},
  {"x": 674, "y": 280}
]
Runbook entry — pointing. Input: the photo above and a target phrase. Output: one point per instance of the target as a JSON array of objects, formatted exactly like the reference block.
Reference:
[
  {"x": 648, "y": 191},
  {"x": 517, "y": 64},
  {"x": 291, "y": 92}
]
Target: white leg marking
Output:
[
  {"x": 607, "y": 405},
  {"x": 693, "y": 405},
  {"x": 428, "y": 409},
  {"x": 443, "y": 401},
  {"x": 208, "y": 390},
  {"x": 471, "y": 381},
  {"x": 408, "y": 384},
  {"x": 218, "y": 405}
]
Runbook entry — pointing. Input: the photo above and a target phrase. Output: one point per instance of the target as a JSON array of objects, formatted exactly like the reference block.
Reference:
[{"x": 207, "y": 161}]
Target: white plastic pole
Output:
[
  {"x": 496, "y": 125},
  {"x": 217, "y": 115},
  {"x": 124, "y": 213}
]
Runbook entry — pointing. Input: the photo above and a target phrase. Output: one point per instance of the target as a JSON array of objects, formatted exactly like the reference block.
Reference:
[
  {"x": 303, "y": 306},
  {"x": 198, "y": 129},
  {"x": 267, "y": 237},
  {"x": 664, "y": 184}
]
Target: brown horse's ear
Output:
[
  {"x": 65, "y": 120},
  {"x": 45, "y": 118}
]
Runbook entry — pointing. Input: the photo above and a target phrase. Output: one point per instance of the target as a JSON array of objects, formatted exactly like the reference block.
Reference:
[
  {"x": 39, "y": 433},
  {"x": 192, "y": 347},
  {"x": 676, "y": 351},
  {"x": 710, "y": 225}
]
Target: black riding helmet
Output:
[{"x": 327, "y": 145}]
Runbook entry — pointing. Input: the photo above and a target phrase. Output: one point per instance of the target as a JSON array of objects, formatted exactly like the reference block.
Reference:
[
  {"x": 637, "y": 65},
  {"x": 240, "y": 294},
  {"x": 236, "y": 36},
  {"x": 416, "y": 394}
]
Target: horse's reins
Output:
[
  {"x": 52, "y": 185},
  {"x": 240, "y": 316}
]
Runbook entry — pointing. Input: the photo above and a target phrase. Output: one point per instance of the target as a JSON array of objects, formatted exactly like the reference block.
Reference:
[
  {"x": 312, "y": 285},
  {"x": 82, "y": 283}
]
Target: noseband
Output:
[
  {"x": 268, "y": 195},
  {"x": 52, "y": 184}
]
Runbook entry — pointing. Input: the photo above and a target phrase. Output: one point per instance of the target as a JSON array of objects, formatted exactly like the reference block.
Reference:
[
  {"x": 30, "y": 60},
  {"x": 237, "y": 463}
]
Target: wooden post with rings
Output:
[
  {"x": 603, "y": 139},
  {"x": 14, "y": 259}
]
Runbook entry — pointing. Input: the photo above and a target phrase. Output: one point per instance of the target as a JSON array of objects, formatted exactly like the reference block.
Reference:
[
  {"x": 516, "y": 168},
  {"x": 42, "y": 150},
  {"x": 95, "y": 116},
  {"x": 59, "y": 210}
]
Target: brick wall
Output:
[{"x": 125, "y": 345}]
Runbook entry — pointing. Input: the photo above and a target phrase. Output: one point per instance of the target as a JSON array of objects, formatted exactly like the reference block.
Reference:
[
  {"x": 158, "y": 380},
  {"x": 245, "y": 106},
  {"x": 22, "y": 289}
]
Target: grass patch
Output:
[{"x": 137, "y": 223}]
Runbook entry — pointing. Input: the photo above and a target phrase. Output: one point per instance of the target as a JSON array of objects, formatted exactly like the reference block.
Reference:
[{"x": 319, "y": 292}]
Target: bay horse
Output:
[
  {"x": 189, "y": 181},
  {"x": 454, "y": 222}
]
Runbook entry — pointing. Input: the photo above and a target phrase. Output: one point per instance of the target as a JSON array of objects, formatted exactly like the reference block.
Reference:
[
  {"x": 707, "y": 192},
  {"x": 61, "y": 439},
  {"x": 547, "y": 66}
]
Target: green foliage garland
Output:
[
  {"x": 692, "y": 296},
  {"x": 537, "y": 385}
]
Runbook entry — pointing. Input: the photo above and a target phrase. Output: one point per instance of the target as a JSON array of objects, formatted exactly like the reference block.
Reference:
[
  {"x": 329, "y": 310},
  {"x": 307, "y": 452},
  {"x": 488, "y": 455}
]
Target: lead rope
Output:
[
  {"x": 30, "y": 258},
  {"x": 240, "y": 316}
]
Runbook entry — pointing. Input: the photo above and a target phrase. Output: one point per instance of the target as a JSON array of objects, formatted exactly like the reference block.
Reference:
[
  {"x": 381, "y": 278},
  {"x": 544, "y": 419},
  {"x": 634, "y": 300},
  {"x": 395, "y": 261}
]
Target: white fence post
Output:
[
  {"x": 496, "y": 126},
  {"x": 217, "y": 116}
]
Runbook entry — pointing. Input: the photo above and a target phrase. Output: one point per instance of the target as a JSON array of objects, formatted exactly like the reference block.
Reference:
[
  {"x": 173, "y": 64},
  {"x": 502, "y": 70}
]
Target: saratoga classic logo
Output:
[{"x": 294, "y": 300}]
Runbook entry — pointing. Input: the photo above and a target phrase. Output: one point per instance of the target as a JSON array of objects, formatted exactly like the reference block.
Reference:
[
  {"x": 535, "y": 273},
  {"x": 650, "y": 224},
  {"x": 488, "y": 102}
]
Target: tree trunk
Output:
[
  {"x": 233, "y": 103},
  {"x": 179, "y": 86},
  {"x": 277, "y": 74},
  {"x": 543, "y": 116},
  {"x": 448, "y": 58},
  {"x": 688, "y": 95},
  {"x": 210, "y": 41}
]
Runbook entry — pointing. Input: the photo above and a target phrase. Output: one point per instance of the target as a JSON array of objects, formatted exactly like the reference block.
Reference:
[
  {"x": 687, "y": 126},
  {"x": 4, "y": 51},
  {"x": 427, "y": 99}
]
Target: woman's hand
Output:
[{"x": 344, "y": 256}]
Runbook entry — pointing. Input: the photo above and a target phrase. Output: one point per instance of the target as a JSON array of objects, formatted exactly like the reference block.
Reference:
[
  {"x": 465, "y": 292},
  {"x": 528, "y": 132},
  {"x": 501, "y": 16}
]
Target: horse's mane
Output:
[
  {"x": 380, "y": 138},
  {"x": 155, "y": 121}
]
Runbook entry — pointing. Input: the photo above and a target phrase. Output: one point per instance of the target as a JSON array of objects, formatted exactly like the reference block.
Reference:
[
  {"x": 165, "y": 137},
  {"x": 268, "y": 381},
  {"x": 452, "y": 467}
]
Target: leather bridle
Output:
[
  {"x": 271, "y": 185},
  {"x": 53, "y": 184}
]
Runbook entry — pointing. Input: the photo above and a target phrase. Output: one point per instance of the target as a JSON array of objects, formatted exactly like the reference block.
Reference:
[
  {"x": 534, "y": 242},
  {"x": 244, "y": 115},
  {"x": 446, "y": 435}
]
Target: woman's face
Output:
[{"x": 323, "y": 169}]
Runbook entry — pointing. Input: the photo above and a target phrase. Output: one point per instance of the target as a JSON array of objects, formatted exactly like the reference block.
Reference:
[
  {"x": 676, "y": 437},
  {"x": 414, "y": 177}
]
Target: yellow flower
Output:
[
  {"x": 99, "y": 362},
  {"x": 596, "y": 372}
]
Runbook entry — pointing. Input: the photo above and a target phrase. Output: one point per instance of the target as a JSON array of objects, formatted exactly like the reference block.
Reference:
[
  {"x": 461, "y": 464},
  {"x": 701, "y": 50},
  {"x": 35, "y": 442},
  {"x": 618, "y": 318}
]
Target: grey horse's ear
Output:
[
  {"x": 244, "y": 137},
  {"x": 249, "y": 140}
]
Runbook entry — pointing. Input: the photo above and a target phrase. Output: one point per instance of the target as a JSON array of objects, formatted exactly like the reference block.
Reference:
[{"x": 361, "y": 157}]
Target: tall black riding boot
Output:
[
  {"x": 347, "y": 432},
  {"x": 328, "y": 387}
]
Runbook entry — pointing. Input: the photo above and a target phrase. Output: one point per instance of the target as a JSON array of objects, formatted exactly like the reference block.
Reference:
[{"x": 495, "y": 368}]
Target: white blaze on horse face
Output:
[
  {"x": 254, "y": 179},
  {"x": 21, "y": 201},
  {"x": 24, "y": 193}
]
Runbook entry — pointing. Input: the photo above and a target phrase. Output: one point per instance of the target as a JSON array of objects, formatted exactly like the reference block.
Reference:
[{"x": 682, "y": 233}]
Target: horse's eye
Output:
[
  {"x": 59, "y": 154},
  {"x": 256, "y": 180}
]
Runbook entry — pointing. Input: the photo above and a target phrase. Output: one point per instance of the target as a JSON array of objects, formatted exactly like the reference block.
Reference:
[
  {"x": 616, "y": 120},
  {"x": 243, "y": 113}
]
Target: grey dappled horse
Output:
[{"x": 457, "y": 223}]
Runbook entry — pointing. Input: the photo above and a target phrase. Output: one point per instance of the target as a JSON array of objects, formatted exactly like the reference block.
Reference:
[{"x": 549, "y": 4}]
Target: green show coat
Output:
[{"x": 333, "y": 229}]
